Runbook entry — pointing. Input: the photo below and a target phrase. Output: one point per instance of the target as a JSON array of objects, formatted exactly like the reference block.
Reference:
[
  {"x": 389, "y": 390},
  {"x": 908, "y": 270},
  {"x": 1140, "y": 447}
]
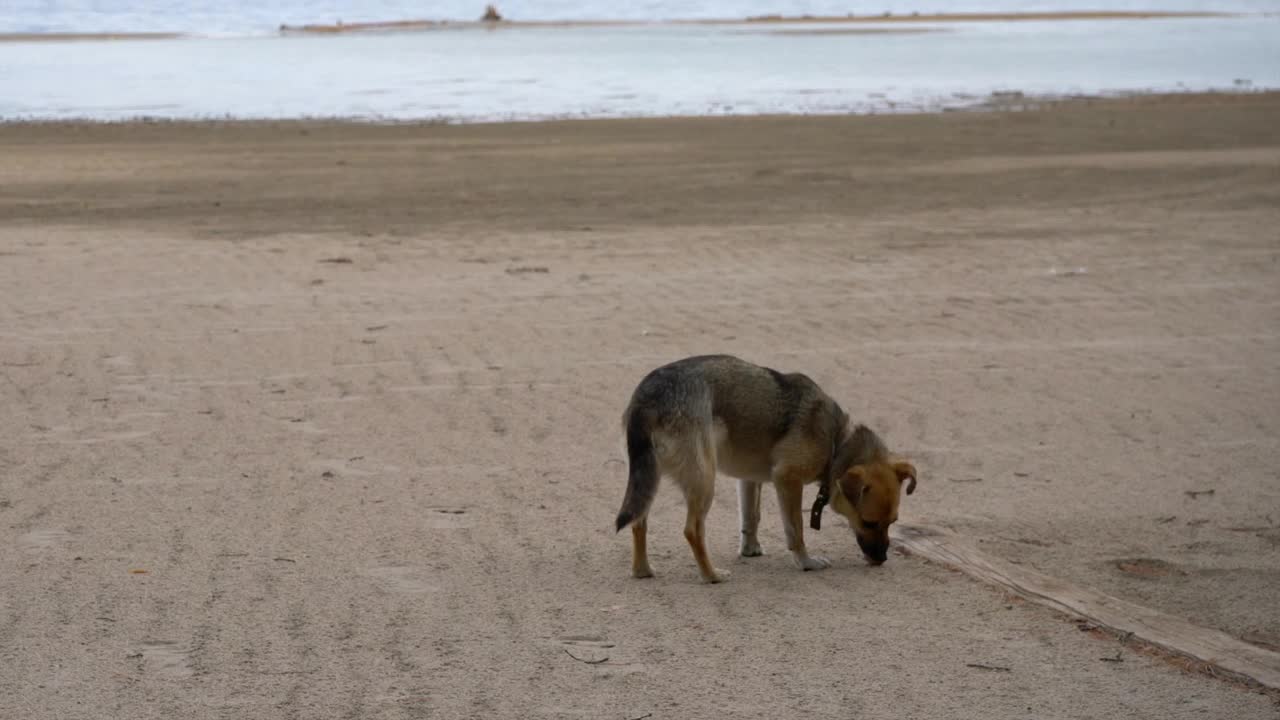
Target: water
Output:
[{"x": 541, "y": 73}]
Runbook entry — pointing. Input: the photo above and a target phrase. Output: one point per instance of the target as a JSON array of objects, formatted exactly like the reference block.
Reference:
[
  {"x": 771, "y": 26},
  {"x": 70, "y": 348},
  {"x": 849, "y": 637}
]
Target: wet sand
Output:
[{"x": 320, "y": 419}]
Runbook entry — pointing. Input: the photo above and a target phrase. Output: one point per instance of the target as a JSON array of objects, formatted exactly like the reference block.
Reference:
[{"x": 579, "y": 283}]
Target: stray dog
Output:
[{"x": 701, "y": 415}]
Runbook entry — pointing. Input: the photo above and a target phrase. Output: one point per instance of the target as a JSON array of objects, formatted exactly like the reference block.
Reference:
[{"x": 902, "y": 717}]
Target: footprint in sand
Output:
[
  {"x": 45, "y": 539},
  {"x": 117, "y": 436},
  {"x": 400, "y": 579},
  {"x": 166, "y": 658},
  {"x": 117, "y": 361}
]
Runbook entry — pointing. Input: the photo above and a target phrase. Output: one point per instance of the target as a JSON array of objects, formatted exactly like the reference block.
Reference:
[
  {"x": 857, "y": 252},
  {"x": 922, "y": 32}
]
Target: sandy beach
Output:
[{"x": 320, "y": 420}]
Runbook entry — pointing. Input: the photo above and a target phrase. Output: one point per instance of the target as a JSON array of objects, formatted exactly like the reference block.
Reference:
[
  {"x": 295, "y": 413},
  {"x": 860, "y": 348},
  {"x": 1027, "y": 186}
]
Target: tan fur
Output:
[{"x": 715, "y": 415}]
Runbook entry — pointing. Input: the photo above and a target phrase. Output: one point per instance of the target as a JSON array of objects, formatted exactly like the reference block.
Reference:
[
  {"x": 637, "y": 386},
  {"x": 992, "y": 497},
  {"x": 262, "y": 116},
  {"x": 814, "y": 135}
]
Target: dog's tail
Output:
[{"x": 642, "y": 479}]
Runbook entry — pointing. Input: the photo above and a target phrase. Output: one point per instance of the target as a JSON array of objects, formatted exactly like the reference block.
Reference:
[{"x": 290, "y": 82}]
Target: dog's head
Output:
[{"x": 868, "y": 495}]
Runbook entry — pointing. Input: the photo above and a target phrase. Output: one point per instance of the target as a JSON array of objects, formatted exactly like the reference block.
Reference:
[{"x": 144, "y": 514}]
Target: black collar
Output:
[
  {"x": 824, "y": 485},
  {"x": 820, "y": 502}
]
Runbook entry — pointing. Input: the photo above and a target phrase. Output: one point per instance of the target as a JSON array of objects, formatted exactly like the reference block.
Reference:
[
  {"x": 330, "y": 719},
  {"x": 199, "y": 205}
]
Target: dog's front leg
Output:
[
  {"x": 749, "y": 518},
  {"x": 790, "y": 500}
]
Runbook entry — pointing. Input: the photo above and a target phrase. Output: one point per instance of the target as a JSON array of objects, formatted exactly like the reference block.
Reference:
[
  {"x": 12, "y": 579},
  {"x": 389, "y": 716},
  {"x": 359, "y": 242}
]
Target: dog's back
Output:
[{"x": 710, "y": 408}]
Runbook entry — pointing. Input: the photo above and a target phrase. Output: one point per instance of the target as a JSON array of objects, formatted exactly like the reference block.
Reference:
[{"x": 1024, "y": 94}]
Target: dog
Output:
[{"x": 708, "y": 414}]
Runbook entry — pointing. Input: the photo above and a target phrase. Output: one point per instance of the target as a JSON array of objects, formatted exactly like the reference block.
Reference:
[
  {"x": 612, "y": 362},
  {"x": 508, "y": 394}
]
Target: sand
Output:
[{"x": 309, "y": 420}]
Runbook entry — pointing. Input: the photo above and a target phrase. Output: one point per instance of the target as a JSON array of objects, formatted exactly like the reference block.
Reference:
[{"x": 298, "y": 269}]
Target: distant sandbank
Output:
[
  {"x": 406, "y": 25},
  {"x": 414, "y": 25}
]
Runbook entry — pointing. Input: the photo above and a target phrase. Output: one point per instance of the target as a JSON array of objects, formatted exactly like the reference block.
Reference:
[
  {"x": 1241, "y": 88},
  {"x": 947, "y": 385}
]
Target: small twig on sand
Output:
[
  {"x": 589, "y": 662},
  {"x": 1193, "y": 494},
  {"x": 995, "y": 668},
  {"x": 641, "y": 717},
  {"x": 1117, "y": 658}
]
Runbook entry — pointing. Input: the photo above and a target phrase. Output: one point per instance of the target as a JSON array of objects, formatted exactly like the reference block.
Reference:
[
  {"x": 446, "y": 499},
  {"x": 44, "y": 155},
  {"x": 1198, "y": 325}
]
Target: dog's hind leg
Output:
[
  {"x": 695, "y": 531},
  {"x": 697, "y": 476},
  {"x": 749, "y": 518},
  {"x": 639, "y": 549}
]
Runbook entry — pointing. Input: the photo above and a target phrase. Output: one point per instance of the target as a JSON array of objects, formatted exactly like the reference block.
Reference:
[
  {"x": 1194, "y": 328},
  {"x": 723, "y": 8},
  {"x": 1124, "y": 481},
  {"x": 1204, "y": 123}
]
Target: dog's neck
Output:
[
  {"x": 850, "y": 445},
  {"x": 859, "y": 445}
]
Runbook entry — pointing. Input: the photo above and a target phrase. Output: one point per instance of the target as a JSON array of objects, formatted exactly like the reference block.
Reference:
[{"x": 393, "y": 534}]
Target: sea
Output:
[{"x": 231, "y": 60}]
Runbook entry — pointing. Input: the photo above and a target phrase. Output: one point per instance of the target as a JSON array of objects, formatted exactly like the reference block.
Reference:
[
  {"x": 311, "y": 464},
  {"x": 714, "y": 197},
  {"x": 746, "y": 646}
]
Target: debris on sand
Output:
[
  {"x": 581, "y": 660},
  {"x": 1146, "y": 567}
]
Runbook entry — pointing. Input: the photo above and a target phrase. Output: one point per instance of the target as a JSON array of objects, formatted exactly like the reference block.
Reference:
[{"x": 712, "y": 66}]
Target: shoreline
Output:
[
  {"x": 1012, "y": 101},
  {"x": 422, "y": 24}
]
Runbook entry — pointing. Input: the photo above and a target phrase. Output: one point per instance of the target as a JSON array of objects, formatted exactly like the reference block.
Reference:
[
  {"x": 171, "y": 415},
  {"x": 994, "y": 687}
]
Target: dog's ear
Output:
[
  {"x": 853, "y": 484},
  {"x": 906, "y": 473}
]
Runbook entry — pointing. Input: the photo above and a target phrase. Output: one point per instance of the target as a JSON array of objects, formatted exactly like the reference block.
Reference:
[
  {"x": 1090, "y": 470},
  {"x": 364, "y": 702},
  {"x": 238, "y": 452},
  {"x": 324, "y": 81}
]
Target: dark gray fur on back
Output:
[{"x": 758, "y": 405}]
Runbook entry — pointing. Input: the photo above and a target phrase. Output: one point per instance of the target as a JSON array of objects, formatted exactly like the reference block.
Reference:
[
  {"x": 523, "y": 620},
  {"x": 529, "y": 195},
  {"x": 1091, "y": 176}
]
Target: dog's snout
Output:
[{"x": 876, "y": 550}]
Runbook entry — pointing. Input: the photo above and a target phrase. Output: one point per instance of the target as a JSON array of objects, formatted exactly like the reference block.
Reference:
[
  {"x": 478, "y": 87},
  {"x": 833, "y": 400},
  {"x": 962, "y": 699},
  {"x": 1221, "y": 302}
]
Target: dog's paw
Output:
[
  {"x": 750, "y": 548},
  {"x": 640, "y": 573},
  {"x": 717, "y": 576},
  {"x": 812, "y": 562}
]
